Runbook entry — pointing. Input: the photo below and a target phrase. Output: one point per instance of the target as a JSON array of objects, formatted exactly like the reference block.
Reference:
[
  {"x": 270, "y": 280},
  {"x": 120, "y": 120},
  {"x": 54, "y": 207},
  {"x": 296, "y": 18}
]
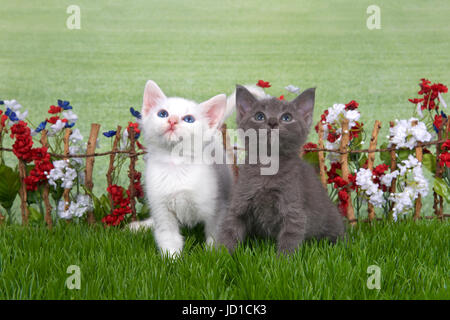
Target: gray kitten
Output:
[{"x": 292, "y": 205}]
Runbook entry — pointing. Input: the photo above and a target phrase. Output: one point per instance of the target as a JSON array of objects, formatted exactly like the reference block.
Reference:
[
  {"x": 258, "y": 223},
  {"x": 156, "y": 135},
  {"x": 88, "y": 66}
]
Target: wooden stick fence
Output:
[{"x": 131, "y": 152}]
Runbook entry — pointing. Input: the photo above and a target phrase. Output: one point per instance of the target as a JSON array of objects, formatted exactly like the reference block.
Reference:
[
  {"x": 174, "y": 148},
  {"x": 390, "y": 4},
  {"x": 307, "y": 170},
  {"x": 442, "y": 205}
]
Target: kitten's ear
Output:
[
  {"x": 152, "y": 96},
  {"x": 214, "y": 109},
  {"x": 244, "y": 100},
  {"x": 304, "y": 104}
]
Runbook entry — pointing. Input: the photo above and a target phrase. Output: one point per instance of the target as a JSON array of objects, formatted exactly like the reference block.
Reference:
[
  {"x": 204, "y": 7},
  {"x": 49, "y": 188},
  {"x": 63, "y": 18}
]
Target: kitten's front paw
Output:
[
  {"x": 141, "y": 225},
  {"x": 171, "y": 253}
]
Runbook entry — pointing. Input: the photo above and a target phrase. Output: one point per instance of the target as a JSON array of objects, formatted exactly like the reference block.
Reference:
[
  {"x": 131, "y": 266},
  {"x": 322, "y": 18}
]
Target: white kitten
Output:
[{"x": 180, "y": 192}]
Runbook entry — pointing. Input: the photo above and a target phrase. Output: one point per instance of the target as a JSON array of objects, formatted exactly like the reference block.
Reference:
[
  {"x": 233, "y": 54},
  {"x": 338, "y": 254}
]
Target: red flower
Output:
[
  {"x": 352, "y": 105},
  {"x": 3, "y": 119},
  {"x": 344, "y": 199},
  {"x": 438, "y": 120},
  {"x": 446, "y": 144},
  {"x": 281, "y": 97},
  {"x": 23, "y": 143},
  {"x": 308, "y": 146},
  {"x": 54, "y": 109},
  {"x": 263, "y": 84},
  {"x": 53, "y": 120},
  {"x": 444, "y": 159},
  {"x": 415, "y": 101},
  {"x": 135, "y": 126}
]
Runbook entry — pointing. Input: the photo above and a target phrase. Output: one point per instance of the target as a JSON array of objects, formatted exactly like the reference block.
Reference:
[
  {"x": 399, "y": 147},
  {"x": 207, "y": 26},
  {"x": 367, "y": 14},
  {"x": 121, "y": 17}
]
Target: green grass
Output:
[
  {"x": 197, "y": 49},
  {"x": 117, "y": 264}
]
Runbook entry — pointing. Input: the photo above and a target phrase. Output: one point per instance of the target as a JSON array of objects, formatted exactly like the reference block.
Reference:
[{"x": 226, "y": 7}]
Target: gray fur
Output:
[{"x": 290, "y": 206}]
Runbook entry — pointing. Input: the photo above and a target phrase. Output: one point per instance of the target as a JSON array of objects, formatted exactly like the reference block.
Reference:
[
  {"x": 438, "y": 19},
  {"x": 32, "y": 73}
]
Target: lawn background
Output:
[{"x": 197, "y": 49}]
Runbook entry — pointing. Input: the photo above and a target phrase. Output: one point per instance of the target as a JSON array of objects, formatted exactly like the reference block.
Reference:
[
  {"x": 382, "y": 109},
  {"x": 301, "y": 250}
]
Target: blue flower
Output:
[
  {"x": 137, "y": 135},
  {"x": 2, "y": 102},
  {"x": 135, "y": 113},
  {"x": 110, "y": 133},
  {"x": 69, "y": 125},
  {"x": 443, "y": 114},
  {"x": 11, "y": 114},
  {"x": 41, "y": 126},
  {"x": 64, "y": 104}
]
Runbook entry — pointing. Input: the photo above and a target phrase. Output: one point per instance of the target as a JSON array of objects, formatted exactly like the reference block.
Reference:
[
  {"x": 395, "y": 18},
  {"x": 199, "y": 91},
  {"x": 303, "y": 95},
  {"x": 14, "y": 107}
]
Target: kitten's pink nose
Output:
[{"x": 173, "y": 120}]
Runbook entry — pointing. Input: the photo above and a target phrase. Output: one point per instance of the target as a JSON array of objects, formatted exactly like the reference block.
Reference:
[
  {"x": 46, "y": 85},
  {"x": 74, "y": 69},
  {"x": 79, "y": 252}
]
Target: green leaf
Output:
[
  {"x": 429, "y": 162},
  {"x": 35, "y": 215},
  {"x": 442, "y": 189},
  {"x": 9, "y": 186},
  {"x": 385, "y": 156}
]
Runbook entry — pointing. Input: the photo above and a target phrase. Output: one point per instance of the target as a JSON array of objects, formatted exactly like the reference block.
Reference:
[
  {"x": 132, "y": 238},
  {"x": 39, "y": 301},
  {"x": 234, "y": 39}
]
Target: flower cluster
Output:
[
  {"x": 121, "y": 206},
  {"x": 76, "y": 208},
  {"x": 12, "y": 112},
  {"x": 62, "y": 172},
  {"x": 63, "y": 117},
  {"x": 343, "y": 186},
  {"x": 406, "y": 133},
  {"x": 331, "y": 122},
  {"x": 369, "y": 182},
  {"x": 414, "y": 184},
  {"x": 444, "y": 157},
  {"x": 430, "y": 96},
  {"x": 23, "y": 150}
]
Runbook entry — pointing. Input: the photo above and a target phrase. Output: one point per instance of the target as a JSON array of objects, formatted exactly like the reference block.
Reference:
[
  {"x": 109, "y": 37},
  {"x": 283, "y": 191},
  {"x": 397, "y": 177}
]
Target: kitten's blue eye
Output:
[
  {"x": 287, "y": 117},
  {"x": 163, "y": 113},
  {"x": 259, "y": 116},
  {"x": 189, "y": 118}
]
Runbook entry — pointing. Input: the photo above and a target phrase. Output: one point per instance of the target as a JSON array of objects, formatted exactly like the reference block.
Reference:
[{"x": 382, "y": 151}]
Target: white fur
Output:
[{"x": 178, "y": 192}]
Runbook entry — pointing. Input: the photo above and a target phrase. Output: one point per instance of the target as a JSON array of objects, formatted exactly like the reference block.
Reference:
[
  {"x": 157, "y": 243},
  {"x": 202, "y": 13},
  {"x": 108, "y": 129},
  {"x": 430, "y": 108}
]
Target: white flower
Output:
[
  {"x": 386, "y": 179},
  {"x": 13, "y": 105},
  {"x": 75, "y": 136},
  {"x": 62, "y": 172},
  {"x": 293, "y": 89},
  {"x": 374, "y": 194},
  {"x": 405, "y": 135},
  {"x": 76, "y": 208},
  {"x": 70, "y": 116},
  {"x": 57, "y": 127},
  {"x": 414, "y": 184},
  {"x": 419, "y": 109},
  {"x": 442, "y": 100},
  {"x": 335, "y": 113},
  {"x": 352, "y": 116},
  {"x": 21, "y": 115}
]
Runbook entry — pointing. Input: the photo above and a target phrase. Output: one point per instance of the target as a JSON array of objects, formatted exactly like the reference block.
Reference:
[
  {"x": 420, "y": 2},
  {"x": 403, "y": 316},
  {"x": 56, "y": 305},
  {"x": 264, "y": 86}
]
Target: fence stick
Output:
[
  {"x": 111, "y": 167},
  {"x": 344, "y": 167},
  {"x": 371, "y": 160},
  {"x": 23, "y": 193},
  {"x": 321, "y": 156},
  {"x": 131, "y": 172},
  {"x": 46, "y": 187},
  {"x": 67, "y": 133},
  {"x": 392, "y": 188},
  {"x": 438, "y": 203},
  {"x": 92, "y": 143},
  {"x": 419, "y": 156}
]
